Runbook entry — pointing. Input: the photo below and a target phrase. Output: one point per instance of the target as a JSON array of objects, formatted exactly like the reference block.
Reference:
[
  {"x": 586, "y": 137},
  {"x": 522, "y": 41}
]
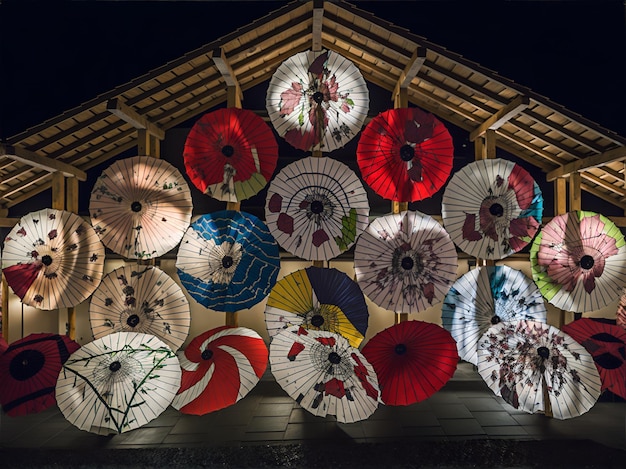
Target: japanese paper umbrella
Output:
[
  {"x": 405, "y": 262},
  {"x": 140, "y": 207},
  {"x": 578, "y": 261},
  {"x": 412, "y": 359},
  {"x": 220, "y": 367},
  {"x": 29, "y": 369},
  {"x": 230, "y": 154},
  {"x": 228, "y": 260},
  {"x": 492, "y": 208},
  {"x": 53, "y": 259},
  {"x": 317, "y": 100},
  {"x": 324, "y": 374},
  {"x": 607, "y": 345},
  {"x": 620, "y": 314},
  {"x": 316, "y": 208},
  {"x": 118, "y": 383},
  {"x": 523, "y": 361},
  {"x": 140, "y": 299},
  {"x": 485, "y": 296},
  {"x": 318, "y": 298},
  {"x": 405, "y": 154}
]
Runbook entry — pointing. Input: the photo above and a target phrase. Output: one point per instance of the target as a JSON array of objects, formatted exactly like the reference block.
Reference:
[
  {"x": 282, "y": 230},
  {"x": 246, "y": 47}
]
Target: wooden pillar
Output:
[
  {"x": 4, "y": 292},
  {"x": 574, "y": 191}
]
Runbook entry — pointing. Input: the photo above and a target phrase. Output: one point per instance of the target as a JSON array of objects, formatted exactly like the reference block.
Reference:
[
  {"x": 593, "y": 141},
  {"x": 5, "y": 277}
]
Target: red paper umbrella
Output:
[
  {"x": 607, "y": 345},
  {"x": 29, "y": 370},
  {"x": 220, "y": 366},
  {"x": 230, "y": 154},
  {"x": 412, "y": 359},
  {"x": 3, "y": 345},
  {"x": 405, "y": 154}
]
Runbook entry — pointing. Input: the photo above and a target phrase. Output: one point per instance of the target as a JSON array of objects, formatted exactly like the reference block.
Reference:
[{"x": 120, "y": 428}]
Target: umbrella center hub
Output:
[
  {"x": 135, "y": 207},
  {"x": 407, "y": 263},
  {"x": 400, "y": 349},
  {"x": 495, "y": 319},
  {"x": 586, "y": 262},
  {"x": 115, "y": 366},
  {"x": 543, "y": 352},
  {"x": 318, "y": 97},
  {"x": 317, "y": 207},
  {"x": 26, "y": 364},
  {"x": 497, "y": 210},
  {"x": 228, "y": 151},
  {"x": 46, "y": 260},
  {"x": 317, "y": 320},
  {"x": 407, "y": 152},
  {"x": 207, "y": 354},
  {"x": 227, "y": 262},
  {"x": 133, "y": 320},
  {"x": 334, "y": 358}
]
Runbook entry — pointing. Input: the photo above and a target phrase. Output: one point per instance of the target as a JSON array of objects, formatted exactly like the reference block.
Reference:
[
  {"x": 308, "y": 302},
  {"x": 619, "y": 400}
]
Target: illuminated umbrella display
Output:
[
  {"x": 220, "y": 367},
  {"x": 53, "y": 259},
  {"x": 492, "y": 208},
  {"x": 140, "y": 207},
  {"x": 405, "y": 154},
  {"x": 118, "y": 383},
  {"x": 140, "y": 299},
  {"x": 230, "y": 154},
  {"x": 324, "y": 374},
  {"x": 485, "y": 296},
  {"x": 317, "y": 100},
  {"x": 607, "y": 345},
  {"x": 316, "y": 208},
  {"x": 29, "y": 369},
  {"x": 405, "y": 262},
  {"x": 520, "y": 361},
  {"x": 578, "y": 261},
  {"x": 412, "y": 359},
  {"x": 228, "y": 260},
  {"x": 620, "y": 314},
  {"x": 318, "y": 298}
]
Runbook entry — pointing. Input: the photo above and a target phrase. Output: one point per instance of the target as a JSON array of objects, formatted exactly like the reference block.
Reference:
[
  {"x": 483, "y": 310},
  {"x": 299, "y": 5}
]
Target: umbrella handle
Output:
[{"x": 547, "y": 407}]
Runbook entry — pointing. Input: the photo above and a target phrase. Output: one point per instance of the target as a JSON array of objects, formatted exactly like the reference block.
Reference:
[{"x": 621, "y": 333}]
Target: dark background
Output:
[{"x": 58, "y": 54}]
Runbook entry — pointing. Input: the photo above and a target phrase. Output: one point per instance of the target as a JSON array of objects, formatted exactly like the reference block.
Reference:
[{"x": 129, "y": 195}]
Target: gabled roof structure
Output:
[{"x": 527, "y": 125}]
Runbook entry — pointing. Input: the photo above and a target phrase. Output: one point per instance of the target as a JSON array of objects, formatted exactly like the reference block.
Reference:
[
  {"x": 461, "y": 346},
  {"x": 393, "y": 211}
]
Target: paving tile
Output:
[
  {"x": 143, "y": 436},
  {"x": 316, "y": 431},
  {"x": 382, "y": 428},
  {"x": 444, "y": 411},
  {"x": 506, "y": 430},
  {"x": 264, "y": 437},
  {"x": 418, "y": 419},
  {"x": 300, "y": 415},
  {"x": 481, "y": 403},
  {"x": 494, "y": 418},
  {"x": 268, "y": 424},
  {"x": 273, "y": 409},
  {"x": 461, "y": 427}
]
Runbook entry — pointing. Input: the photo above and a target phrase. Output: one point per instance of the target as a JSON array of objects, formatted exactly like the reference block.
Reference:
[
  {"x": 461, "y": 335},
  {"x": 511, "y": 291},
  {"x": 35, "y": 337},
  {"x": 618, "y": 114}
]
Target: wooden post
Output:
[{"x": 5, "y": 308}]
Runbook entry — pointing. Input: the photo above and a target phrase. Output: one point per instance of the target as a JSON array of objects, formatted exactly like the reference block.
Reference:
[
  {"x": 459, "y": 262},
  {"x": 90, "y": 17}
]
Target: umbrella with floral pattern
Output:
[{"x": 578, "y": 261}]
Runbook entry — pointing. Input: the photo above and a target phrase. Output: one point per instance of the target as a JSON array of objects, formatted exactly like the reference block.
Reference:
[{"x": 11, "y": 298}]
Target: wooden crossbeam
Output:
[
  {"x": 410, "y": 71},
  {"x": 117, "y": 107},
  {"x": 224, "y": 67},
  {"x": 318, "y": 15},
  {"x": 501, "y": 116},
  {"x": 42, "y": 162},
  {"x": 595, "y": 161}
]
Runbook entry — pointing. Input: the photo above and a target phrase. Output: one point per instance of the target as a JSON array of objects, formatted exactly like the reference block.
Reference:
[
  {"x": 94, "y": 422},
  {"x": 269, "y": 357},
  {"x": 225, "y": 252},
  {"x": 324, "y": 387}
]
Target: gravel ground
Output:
[{"x": 409, "y": 454}]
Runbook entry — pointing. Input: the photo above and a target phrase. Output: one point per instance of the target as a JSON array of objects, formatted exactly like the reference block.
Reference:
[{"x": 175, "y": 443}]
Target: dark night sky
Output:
[{"x": 57, "y": 55}]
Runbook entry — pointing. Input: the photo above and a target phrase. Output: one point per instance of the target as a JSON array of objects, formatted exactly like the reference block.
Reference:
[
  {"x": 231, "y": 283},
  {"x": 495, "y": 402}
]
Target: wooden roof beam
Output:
[
  {"x": 118, "y": 108},
  {"x": 35, "y": 160},
  {"x": 224, "y": 67},
  {"x": 595, "y": 161},
  {"x": 318, "y": 18},
  {"x": 410, "y": 71},
  {"x": 501, "y": 116}
]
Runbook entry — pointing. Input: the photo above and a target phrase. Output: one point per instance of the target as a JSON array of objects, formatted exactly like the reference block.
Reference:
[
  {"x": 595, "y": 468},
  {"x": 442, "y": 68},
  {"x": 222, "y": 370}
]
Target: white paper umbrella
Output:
[
  {"x": 53, "y": 259},
  {"x": 522, "y": 360},
  {"x": 405, "y": 262},
  {"x": 118, "y": 383},
  {"x": 140, "y": 299},
  {"x": 492, "y": 208},
  {"x": 324, "y": 374},
  {"x": 316, "y": 208},
  {"x": 485, "y": 296},
  {"x": 140, "y": 207},
  {"x": 317, "y": 100}
]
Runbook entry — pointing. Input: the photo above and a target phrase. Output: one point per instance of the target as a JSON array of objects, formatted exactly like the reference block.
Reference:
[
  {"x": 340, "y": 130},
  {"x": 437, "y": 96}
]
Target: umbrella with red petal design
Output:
[
  {"x": 220, "y": 367},
  {"x": 324, "y": 374},
  {"x": 29, "y": 369},
  {"x": 578, "y": 261},
  {"x": 405, "y": 154},
  {"x": 317, "y": 100},
  {"x": 607, "y": 345},
  {"x": 230, "y": 154},
  {"x": 412, "y": 359}
]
